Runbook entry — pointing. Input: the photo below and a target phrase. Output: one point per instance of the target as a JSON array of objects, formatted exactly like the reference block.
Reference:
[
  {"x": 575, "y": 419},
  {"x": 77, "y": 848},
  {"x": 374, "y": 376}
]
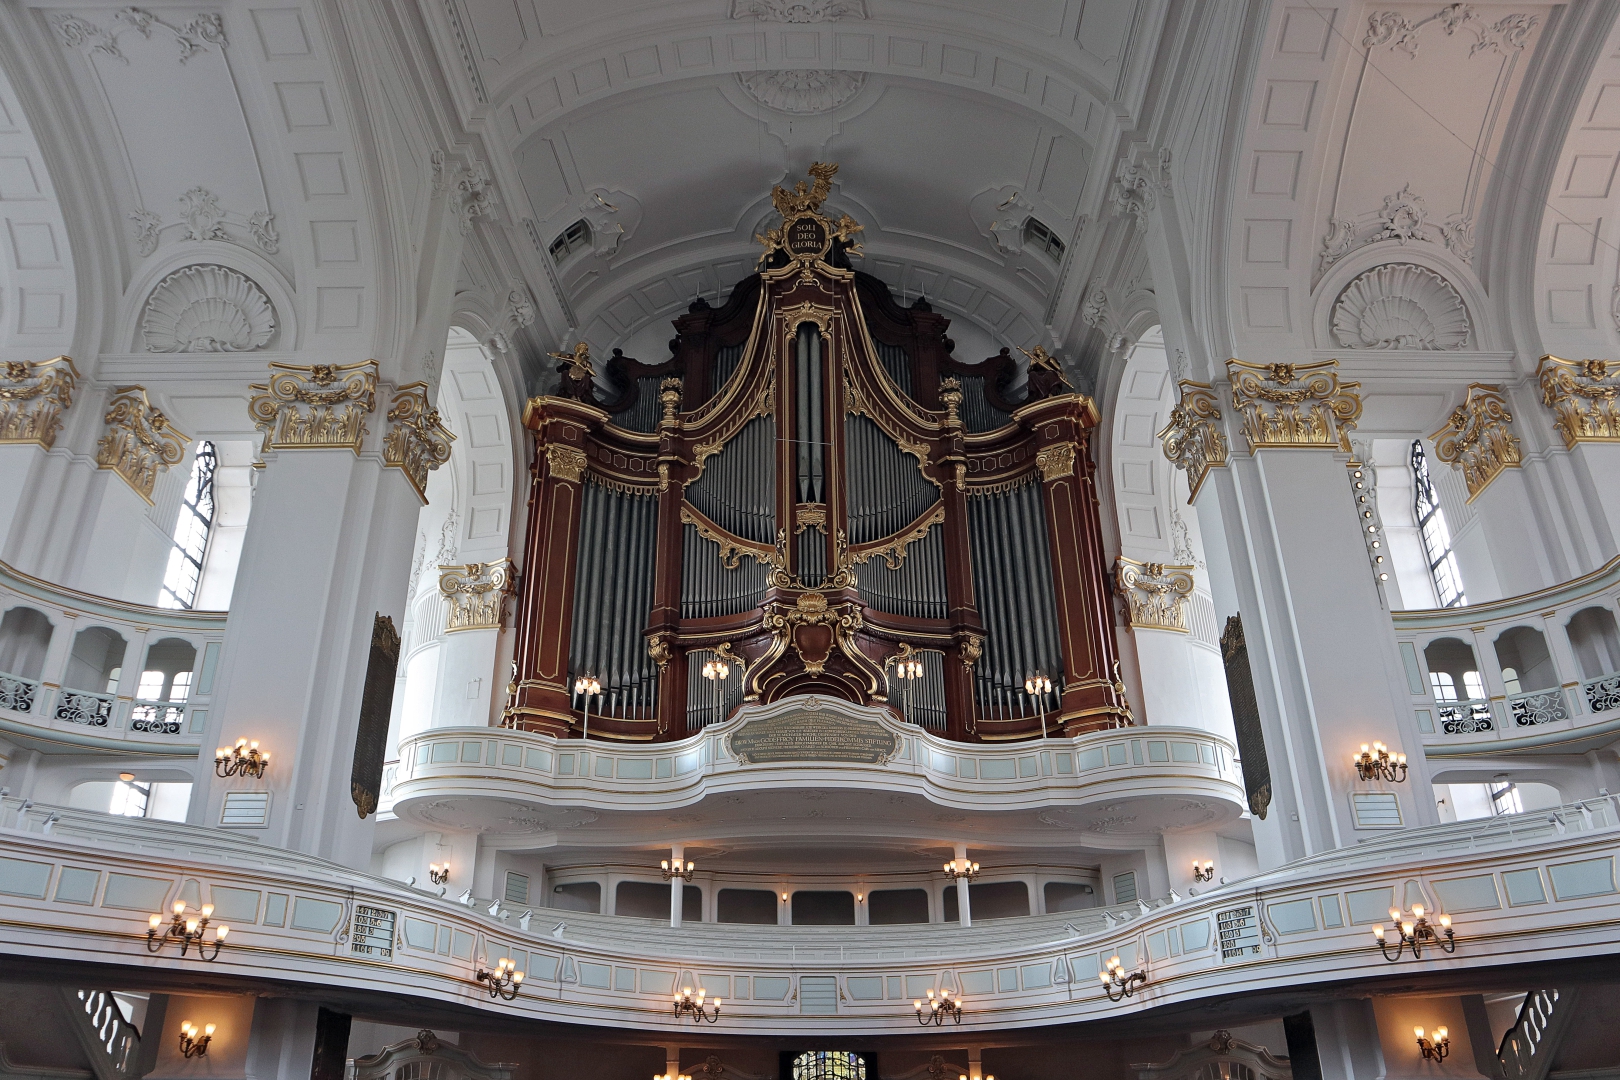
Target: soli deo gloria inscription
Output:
[{"x": 813, "y": 735}]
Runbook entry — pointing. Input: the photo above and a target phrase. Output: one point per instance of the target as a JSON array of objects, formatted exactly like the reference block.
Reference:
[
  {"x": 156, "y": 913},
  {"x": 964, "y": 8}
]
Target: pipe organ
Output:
[{"x": 813, "y": 496}]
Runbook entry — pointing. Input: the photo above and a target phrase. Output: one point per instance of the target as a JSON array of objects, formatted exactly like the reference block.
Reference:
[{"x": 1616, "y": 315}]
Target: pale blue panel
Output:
[
  {"x": 604, "y": 766},
  {"x": 565, "y": 764},
  {"x": 1065, "y": 764},
  {"x": 472, "y": 751},
  {"x": 1175, "y": 941},
  {"x": 234, "y": 905},
  {"x": 976, "y": 982},
  {"x": 1293, "y": 916},
  {"x": 275, "y": 909},
  {"x": 311, "y": 914},
  {"x": 918, "y": 985},
  {"x": 1195, "y": 935},
  {"x": 1332, "y": 917},
  {"x": 996, "y": 769},
  {"x": 19, "y": 877},
  {"x": 945, "y": 763},
  {"x": 1027, "y": 766},
  {"x": 1184, "y": 751},
  {"x": 1207, "y": 753},
  {"x": 595, "y": 976},
  {"x": 537, "y": 759},
  {"x": 1370, "y": 907},
  {"x": 1117, "y": 754},
  {"x": 686, "y": 763},
  {"x": 511, "y": 754},
  {"x": 421, "y": 753},
  {"x": 1006, "y": 980},
  {"x": 443, "y": 752},
  {"x": 420, "y": 934},
  {"x": 1468, "y": 894},
  {"x": 635, "y": 769},
  {"x": 894, "y": 986},
  {"x": 718, "y": 986},
  {"x": 657, "y": 980},
  {"x": 1589, "y": 877},
  {"x": 1136, "y": 751},
  {"x": 135, "y": 893},
  {"x": 864, "y": 987},
  {"x": 666, "y": 768},
  {"x": 1425, "y": 721},
  {"x": 78, "y": 886},
  {"x": 1085, "y": 969},
  {"x": 544, "y": 966},
  {"x": 969, "y": 767},
  {"x": 771, "y": 987},
  {"x": 1093, "y": 758},
  {"x": 1524, "y": 887},
  {"x": 461, "y": 945},
  {"x": 197, "y": 721},
  {"x": 742, "y": 986},
  {"x": 1158, "y": 751},
  {"x": 205, "y": 678},
  {"x": 624, "y": 979},
  {"x": 1414, "y": 674},
  {"x": 1158, "y": 946},
  {"x": 1037, "y": 976}
]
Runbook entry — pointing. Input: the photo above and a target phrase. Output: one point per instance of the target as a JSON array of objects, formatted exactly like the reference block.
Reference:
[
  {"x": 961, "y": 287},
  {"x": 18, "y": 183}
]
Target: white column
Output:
[
  {"x": 677, "y": 852},
  {"x": 784, "y": 909},
  {"x": 963, "y": 907}
]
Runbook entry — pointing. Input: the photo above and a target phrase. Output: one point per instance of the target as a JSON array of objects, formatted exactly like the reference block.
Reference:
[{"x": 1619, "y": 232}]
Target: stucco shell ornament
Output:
[
  {"x": 207, "y": 308},
  {"x": 1400, "y": 306}
]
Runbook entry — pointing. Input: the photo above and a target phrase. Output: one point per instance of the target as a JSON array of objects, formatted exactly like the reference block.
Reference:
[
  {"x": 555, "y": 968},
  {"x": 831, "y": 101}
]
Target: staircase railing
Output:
[
  {"x": 1527, "y": 1049},
  {"x": 102, "y": 1025}
]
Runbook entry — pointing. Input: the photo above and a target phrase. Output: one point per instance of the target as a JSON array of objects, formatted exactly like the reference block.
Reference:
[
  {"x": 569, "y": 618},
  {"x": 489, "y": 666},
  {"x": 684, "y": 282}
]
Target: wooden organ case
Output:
[{"x": 811, "y": 496}]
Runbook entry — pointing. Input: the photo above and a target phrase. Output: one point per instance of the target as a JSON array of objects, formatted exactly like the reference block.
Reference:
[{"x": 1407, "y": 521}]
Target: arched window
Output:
[
  {"x": 191, "y": 531},
  {"x": 829, "y": 1065},
  {"x": 576, "y": 237},
  {"x": 1448, "y": 585},
  {"x": 1038, "y": 236}
]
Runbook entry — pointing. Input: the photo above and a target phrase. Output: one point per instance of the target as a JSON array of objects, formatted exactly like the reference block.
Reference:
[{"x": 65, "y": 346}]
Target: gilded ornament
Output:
[
  {"x": 950, "y": 396},
  {"x": 661, "y": 647},
  {"x": 1585, "y": 397},
  {"x": 1294, "y": 405},
  {"x": 669, "y": 397},
  {"x": 578, "y": 361},
  {"x": 140, "y": 442},
  {"x": 1155, "y": 594},
  {"x": 566, "y": 463},
  {"x": 1056, "y": 462},
  {"x": 33, "y": 397},
  {"x": 319, "y": 407},
  {"x": 731, "y": 548},
  {"x": 417, "y": 442},
  {"x": 476, "y": 593},
  {"x": 806, "y": 235},
  {"x": 1476, "y": 438},
  {"x": 810, "y": 516},
  {"x": 1193, "y": 439},
  {"x": 893, "y": 550}
]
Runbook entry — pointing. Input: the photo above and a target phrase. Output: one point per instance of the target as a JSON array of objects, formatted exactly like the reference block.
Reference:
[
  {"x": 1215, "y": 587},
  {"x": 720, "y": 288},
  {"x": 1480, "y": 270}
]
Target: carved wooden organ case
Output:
[{"x": 808, "y": 494}]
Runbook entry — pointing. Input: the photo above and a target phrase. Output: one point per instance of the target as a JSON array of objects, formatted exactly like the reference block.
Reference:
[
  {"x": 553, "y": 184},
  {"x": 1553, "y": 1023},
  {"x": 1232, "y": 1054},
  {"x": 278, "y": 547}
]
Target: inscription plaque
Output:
[{"x": 813, "y": 735}]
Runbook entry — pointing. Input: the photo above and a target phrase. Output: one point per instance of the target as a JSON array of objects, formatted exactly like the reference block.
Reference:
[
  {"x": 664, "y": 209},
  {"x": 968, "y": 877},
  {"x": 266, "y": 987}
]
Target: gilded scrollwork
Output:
[
  {"x": 1476, "y": 438},
  {"x": 315, "y": 407},
  {"x": 1056, "y": 462},
  {"x": 33, "y": 397},
  {"x": 1294, "y": 405},
  {"x": 732, "y": 549},
  {"x": 565, "y": 463},
  {"x": 417, "y": 442},
  {"x": 950, "y": 396},
  {"x": 661, "y": 647},
  {"x": 669, "y": 399},
  {"x": 476, "y": 593},
  {"x": 810, "y": 516},
  {"x": 139, "y": 442},
  {"x": 1155, "y": 594},
  {"x": 1584, "y": 395},
  {"x": 1193, "y": 439},
  {"x": 970, "y": 647},
  {"x": 893, "y": 550}
]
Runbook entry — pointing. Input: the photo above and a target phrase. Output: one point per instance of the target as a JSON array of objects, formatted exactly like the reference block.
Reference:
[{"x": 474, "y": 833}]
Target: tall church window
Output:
[
  {"x": 191, "y": 531},
  {"x": 829, "y": 1065},
  {"x": 1443, "y": 571}
]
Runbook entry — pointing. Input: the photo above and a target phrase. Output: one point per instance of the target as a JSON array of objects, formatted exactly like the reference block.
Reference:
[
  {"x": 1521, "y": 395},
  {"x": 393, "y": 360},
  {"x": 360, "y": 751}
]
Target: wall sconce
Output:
[
  {"x": 696, "y": 1007},
  {"x": 671, "y": 1076},
  {"x": 939, "y": 1008},
  {"x": 961, "y": 868},
  {"x": 677, "y": 870},
  {"x": 1438, "y": 1048},
  {"x": 1118, "y": 985},
  {"x": 1415, "y": 933},
  {"x": 1204, "y": 872},
  {"x": 504, "y": 982},
  {"x": 438, "y": 874},
  {"x": 243, "y": 759},
  {"x": 187, "y": 932},
  {"x": 784, "y": 898},
  {"x": 194, "y": 1043},
  {"x": 1377, "y": 763}
]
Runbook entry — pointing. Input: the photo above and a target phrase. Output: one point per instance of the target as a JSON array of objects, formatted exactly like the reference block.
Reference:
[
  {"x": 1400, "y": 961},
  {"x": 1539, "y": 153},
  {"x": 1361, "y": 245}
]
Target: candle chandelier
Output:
[
  {"x": 1116, "y": 983},
  {"x": 695, "y": 1006},
  {"x": 504, "y": 982},
  {"x": 1375, "y": 762},
  {"x": 186, "y": 931},
  {"x": 587, "y": 686},
  {"x": 1038, "y": 686},
  {"x": 243, "y": 759},
  {"x": 958, "y": 869},
  {"x": 1415, "y": 932},
  {"x": 936, "y": 1009}
]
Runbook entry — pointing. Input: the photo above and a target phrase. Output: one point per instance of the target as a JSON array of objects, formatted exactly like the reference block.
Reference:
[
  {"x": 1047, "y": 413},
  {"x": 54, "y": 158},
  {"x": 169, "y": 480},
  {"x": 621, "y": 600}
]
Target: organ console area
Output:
[{"x": 813, "y": 496}]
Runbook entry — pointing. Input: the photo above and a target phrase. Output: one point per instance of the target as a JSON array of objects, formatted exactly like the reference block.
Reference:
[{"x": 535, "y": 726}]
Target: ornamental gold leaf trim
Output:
[
  {"x": 1476, "y": 439},
  {"x": 315, "y": 407},
  {"x": 140, "y": 442},
  {"x": 1155, "y": 594},
  {"x": 1584, "y": 396},
  {"x": 33, "y": 397},
  {"x": 732, "y": 549},
  {"x": 475, "y": 593},
  {"x": 893, "y": 550},
  {"x": 417, "y": 442},
  {"x": 566, "y": 463},
  {"x": 1056, "y": 462},
  {"x": 1193, "y": 440},
  {"x": 1294, "y": 405}
]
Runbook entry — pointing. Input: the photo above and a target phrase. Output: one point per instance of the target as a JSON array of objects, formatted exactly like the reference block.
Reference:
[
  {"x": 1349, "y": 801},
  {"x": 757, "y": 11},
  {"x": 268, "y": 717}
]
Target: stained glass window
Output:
[
  {"x": 1443, "y": 571},
  {"x": 191, "y": 531},
  {"x": 829, "y": 1065}
]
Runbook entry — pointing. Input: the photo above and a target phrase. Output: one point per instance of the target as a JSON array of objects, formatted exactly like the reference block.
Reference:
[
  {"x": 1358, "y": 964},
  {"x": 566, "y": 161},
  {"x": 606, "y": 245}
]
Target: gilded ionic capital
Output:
[
  {"x": 1476, "y": 438},
  {"x": 139, "y": 442},
  {"x": 1155, "y": 593},
  {"x": 417, "y": 442},
  {"x": 315, "y": 407},
  {"x": 1584, "y": 395},
  {"x": 1193, "y": 439},
  {"x": 1294, "y": 405},
  {"x": 475, "y": 592},
  {"x": 33, "y": 397}
]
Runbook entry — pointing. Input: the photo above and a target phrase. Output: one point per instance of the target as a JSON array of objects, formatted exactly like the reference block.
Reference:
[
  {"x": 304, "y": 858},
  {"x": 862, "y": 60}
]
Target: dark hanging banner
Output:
[
  {"x": 376, "y": 702},
  {"x": 1246, "y": 717}
]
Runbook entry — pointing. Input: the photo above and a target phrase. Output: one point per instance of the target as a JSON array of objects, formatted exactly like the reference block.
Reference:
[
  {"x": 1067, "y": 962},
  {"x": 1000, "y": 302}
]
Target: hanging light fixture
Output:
[
  {"x": 1038, "y": 686},
  {"x": 936, "y": 1009},
  {"x": 677, "y": 869},
  {"x": 587, "y": 686},
  {"x": 908, "y": 671},
  {"x": 696, "y": 1006},
  {"x": 243, "y": 759},
  {"x": 1375, "y": 762},
  {"x": 1415, "y": 932},
  {"x": 717, "y": 671},
  {"x": 1434, "y": 1049},
  {"x": 187, "y": 931},
  {"x": 504, "y": 982},
  {"x": 1116, "y": 983},
  {"x": 961, "y": 868}
]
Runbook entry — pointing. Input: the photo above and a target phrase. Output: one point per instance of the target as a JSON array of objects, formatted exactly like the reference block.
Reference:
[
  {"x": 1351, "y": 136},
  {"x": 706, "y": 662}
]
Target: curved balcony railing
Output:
[
  {"x": 1541, "y": 669},
  {"x": 1536, "y": 888},
  {"x": 1099, "y": 766},
  {"x": 88, "y": 654}
]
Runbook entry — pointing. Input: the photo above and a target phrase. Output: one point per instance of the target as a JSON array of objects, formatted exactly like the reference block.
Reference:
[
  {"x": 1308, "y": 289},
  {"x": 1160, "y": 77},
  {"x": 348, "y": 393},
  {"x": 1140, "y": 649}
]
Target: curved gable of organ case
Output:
[{"x": 812, "y": 495}]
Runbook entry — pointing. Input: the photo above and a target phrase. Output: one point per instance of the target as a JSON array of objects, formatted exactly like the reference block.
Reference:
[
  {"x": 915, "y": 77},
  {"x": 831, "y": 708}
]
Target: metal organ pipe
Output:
[
  {"x": 737, "y": 490},
  {"x": 886, "y": 490},
  {"x": 613, "y": 595},
  {"x": 1012, "y": 580}
]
